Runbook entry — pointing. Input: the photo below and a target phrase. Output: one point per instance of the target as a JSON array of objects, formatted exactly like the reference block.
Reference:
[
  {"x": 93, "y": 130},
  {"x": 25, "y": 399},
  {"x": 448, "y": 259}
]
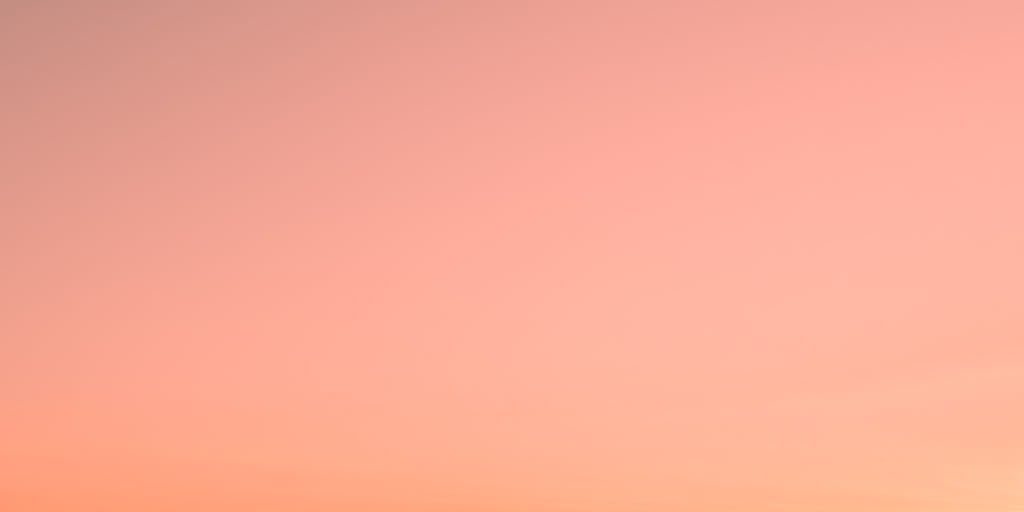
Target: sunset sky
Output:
[{"x": 511, "y": 256}]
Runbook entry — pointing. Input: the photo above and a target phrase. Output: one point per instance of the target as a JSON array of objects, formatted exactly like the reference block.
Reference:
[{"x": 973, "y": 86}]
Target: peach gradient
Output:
[{"x": 511, "y": 256}]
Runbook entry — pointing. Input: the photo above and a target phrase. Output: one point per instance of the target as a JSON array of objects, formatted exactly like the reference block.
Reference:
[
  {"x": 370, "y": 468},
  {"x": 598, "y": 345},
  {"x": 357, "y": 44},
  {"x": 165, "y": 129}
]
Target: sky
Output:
[{"x": 522, "y": 256}]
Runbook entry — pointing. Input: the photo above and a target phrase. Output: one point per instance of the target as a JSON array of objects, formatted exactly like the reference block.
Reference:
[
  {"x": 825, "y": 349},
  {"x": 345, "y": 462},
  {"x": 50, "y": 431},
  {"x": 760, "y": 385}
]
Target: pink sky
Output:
[{"x": 512, "y": 256}]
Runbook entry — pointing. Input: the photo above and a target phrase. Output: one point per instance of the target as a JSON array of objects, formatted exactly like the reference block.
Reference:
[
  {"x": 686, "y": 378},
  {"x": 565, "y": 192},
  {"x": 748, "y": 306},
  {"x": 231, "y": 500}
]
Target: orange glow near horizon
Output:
[{"x": 512, "y": 256}]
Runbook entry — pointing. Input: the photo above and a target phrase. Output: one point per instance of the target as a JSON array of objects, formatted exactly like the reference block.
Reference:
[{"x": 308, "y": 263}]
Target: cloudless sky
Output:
[{"x": 511, "y": 256}]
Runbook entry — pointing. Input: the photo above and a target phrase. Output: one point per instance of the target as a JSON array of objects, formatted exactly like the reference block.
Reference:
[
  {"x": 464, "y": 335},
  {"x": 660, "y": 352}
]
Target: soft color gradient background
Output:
[{"x": 515, "y": 256}]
